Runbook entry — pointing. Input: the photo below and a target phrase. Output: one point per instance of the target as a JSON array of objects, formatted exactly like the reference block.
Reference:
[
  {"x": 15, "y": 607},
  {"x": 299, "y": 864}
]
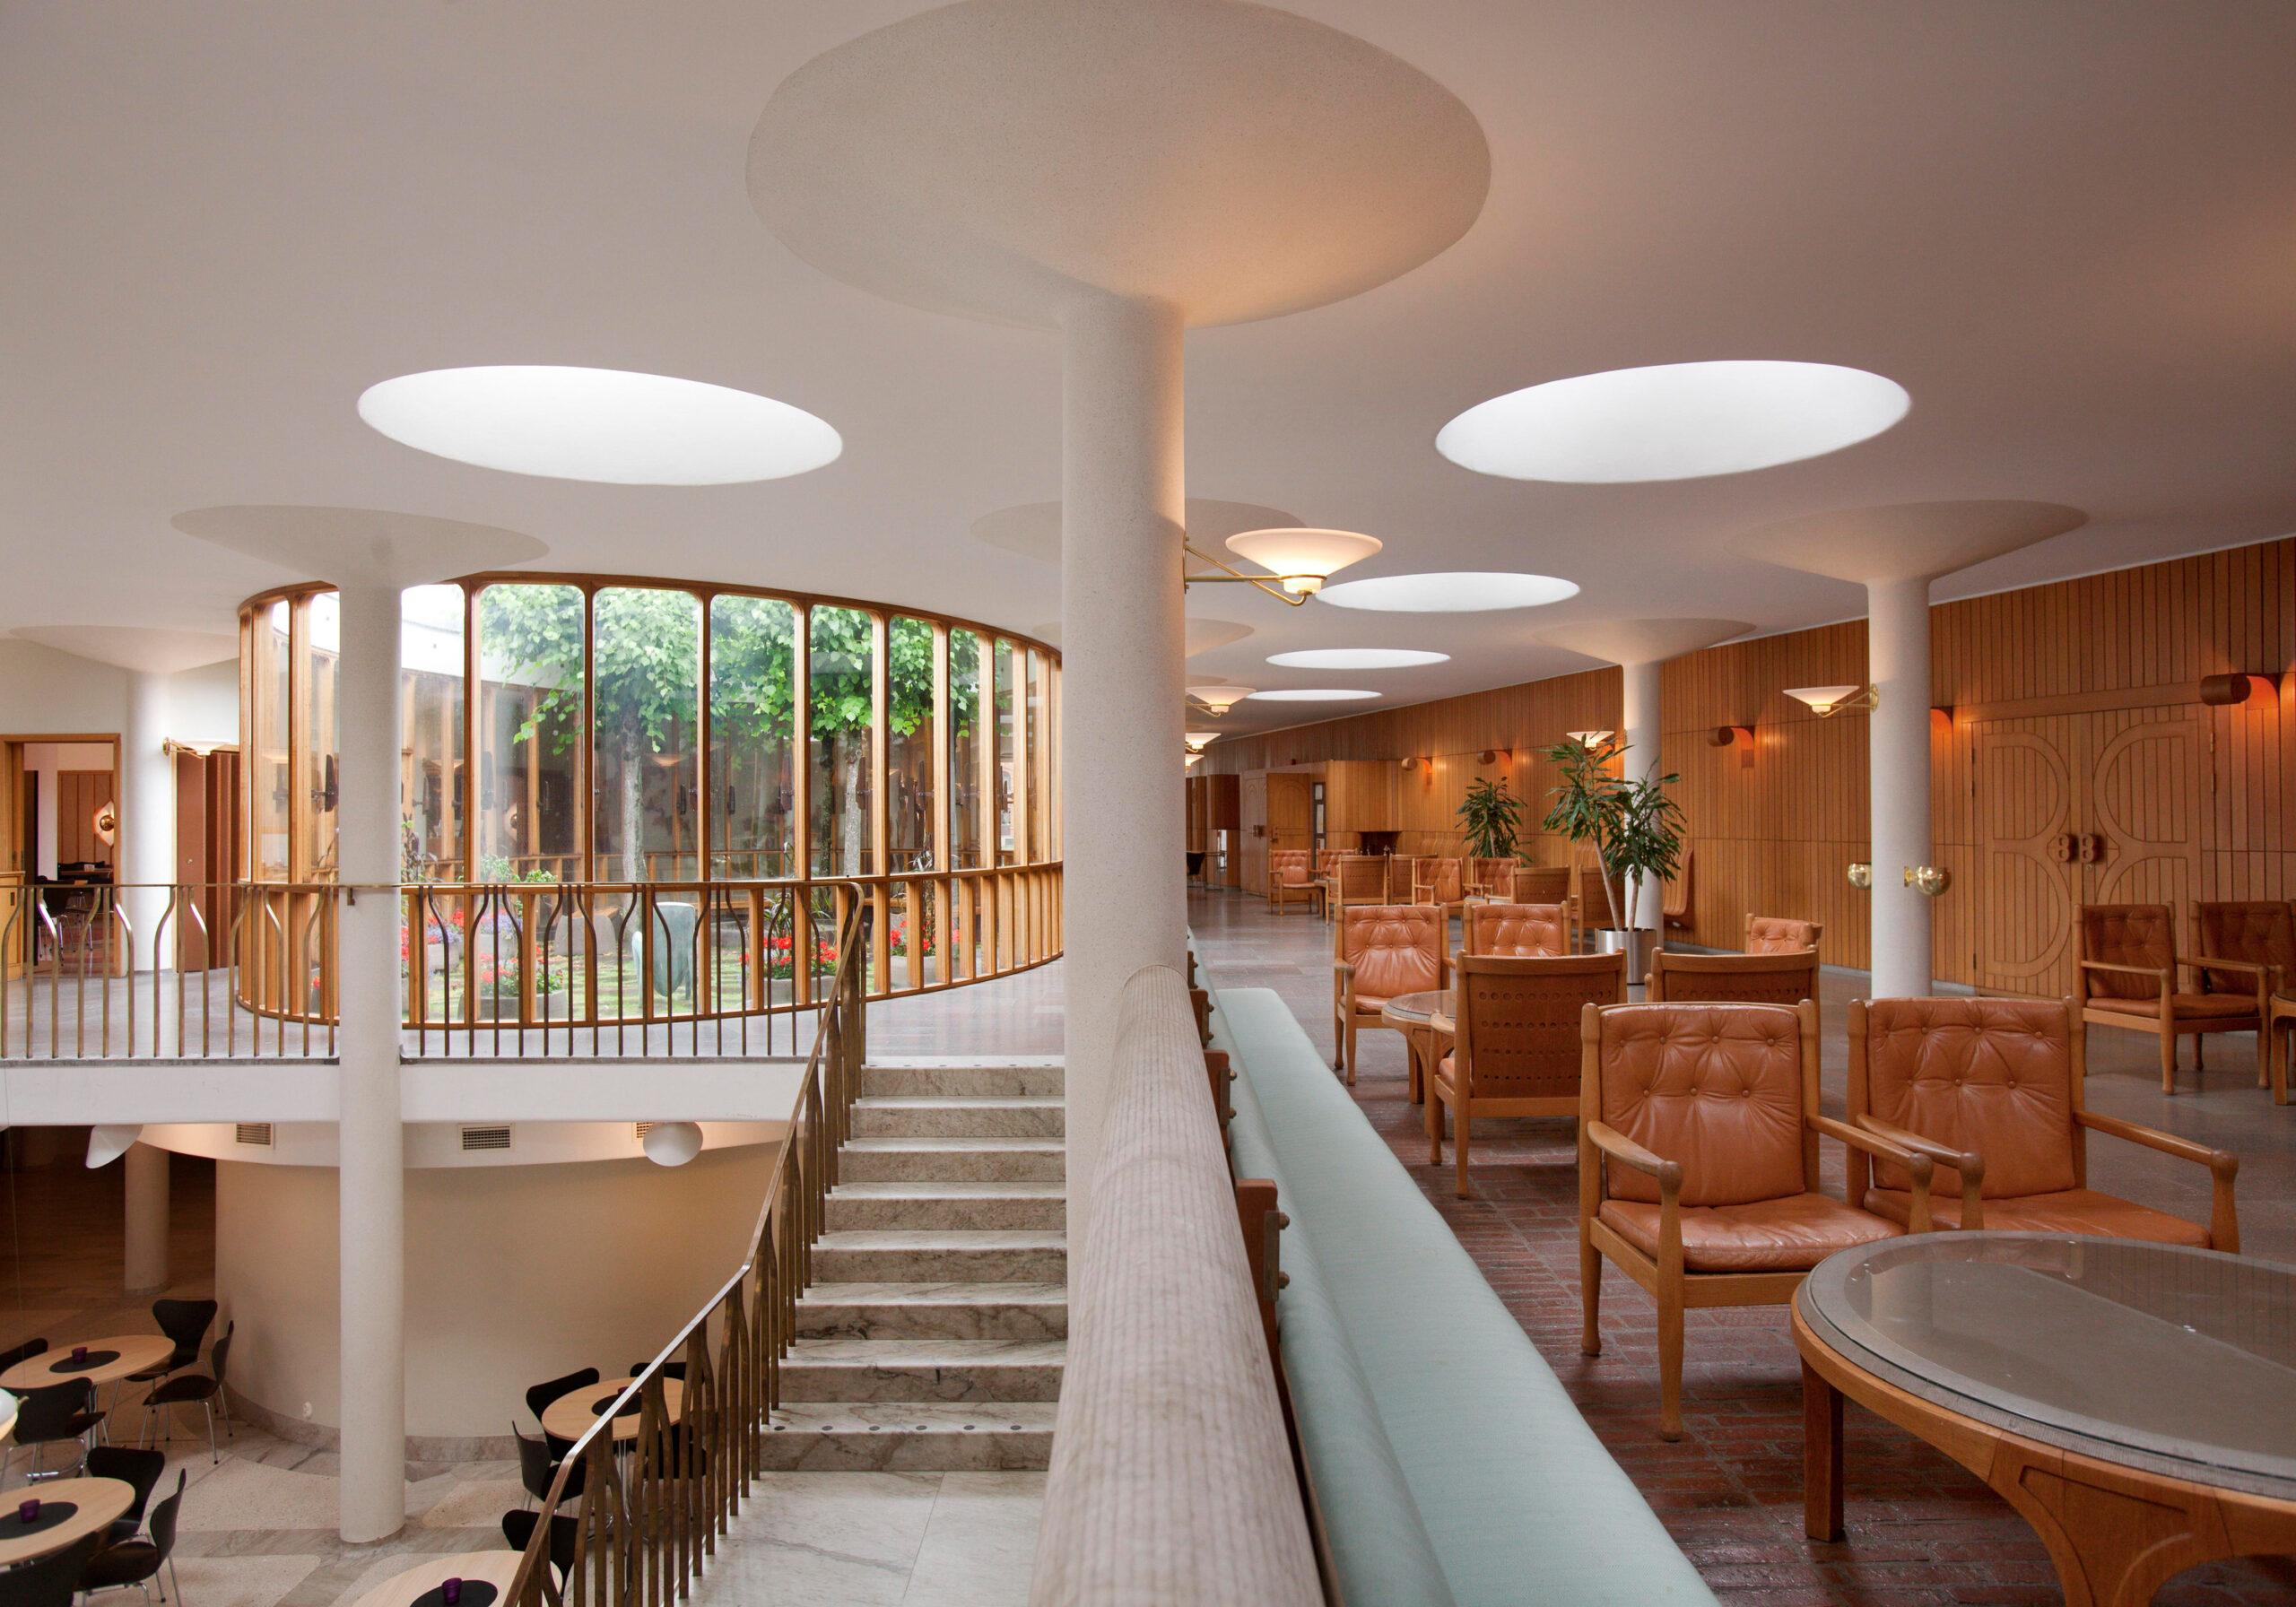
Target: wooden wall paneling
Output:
[{"x": 1251, "y": 837}]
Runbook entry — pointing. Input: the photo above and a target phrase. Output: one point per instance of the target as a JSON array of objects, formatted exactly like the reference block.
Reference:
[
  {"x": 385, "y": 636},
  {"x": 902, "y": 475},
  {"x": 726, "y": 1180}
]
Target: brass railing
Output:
[
  {"x": 512, "y": 968},
  {"x": 652, "y": 1507}
]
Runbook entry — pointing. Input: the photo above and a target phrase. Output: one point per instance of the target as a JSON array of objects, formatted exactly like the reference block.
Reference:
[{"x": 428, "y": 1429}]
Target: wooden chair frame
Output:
[
  {"x": 1369, "y": 867},
  {"x": 1664, "y": 1277},
  {"x": 2268, "y": 979},
  {"x": 1281, "y": 893},
  {"x": 1458, "y": 1094},
  {"x": 2223, "y": 1218},
  {"x": 2168, "y": 1026},
  {"x": 1677, "y": 910},
  {"x": 1679, "y": 978},
  {"x": 2280, "y": 1033},
  {"x": 1563, "y": 897},
  {"x": 1345, "y": 1022}
]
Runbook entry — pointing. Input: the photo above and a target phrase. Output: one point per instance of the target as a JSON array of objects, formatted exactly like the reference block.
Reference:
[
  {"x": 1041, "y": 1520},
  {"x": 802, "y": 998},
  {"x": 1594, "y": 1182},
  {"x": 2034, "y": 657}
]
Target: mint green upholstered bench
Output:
[{"x": 1449, "y": 1465}]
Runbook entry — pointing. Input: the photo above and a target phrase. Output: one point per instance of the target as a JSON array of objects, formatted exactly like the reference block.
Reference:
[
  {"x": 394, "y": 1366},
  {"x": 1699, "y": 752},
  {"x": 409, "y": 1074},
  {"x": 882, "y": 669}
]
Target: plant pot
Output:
[{"x": 1635, "y": 942}]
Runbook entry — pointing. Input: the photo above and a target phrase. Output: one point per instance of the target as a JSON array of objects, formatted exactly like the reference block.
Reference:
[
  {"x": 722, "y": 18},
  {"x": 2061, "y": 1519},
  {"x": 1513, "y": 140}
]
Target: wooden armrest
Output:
[
  {"x": 1623, "y": 1150},
  {"x": 1968, "y": 1164},
  {"x": 2204, "y": 963},
  {"x": 2222, "y": 1162},
  {"x": 1915, "y": 1162},
  {"x": 2159, "y": 972}
]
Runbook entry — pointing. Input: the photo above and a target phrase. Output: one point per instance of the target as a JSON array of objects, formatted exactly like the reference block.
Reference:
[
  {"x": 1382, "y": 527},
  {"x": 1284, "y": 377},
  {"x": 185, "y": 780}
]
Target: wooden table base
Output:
[{"x": 2116, "y": 1533}]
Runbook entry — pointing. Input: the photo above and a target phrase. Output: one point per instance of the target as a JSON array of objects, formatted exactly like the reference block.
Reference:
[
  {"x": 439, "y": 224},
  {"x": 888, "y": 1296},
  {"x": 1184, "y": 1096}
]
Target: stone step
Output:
[
  {"x": 862, "y": 1207},
  {"x": 933, "y": 1311},
  {"x": 953, "y": 1159},
  {"x": 912, "y": 1437},
  {"x": 923, "y": 1370},
  {"x": 957, "y": 1116},
  {"x": 959, "y": 1074},
  {"x": 941, "y": 1257}
]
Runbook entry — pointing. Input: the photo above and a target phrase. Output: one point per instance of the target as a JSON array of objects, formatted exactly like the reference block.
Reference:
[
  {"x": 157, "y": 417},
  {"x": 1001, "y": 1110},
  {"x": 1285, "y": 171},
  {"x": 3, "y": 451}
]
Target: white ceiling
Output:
[{"x": 2065, "y": 228}]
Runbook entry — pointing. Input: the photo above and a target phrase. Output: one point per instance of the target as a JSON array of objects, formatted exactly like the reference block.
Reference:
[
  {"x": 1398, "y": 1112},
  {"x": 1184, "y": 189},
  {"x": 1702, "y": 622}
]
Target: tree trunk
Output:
[
  {"x": 852, "y": 820},
  {"x": 633, "y": 801}
]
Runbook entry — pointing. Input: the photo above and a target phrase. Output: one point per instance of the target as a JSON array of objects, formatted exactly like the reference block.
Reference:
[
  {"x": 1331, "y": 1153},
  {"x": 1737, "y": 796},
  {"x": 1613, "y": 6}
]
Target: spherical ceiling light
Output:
[
  {"x": 1311, "y": 694},
  {"x": 599, "y": 424},
  {"x": 1462, "y": 592},
  {"x": 1357, "y": 658},
  {"x": 1219, "y": 699},
  {"x": 1672, "y": 422},
  {"x": 672, "y": 1144},
  {"x": 1302, "y": 558}
]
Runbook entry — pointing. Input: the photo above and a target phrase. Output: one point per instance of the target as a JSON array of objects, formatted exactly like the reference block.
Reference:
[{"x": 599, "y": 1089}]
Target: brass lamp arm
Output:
[{"x": 1232, "y": 573}]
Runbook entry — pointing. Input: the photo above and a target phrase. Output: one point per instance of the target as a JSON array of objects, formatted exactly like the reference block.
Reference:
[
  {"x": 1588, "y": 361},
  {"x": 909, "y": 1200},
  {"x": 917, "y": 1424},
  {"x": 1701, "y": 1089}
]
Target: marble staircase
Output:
[{"x": 933, "y": 1334}]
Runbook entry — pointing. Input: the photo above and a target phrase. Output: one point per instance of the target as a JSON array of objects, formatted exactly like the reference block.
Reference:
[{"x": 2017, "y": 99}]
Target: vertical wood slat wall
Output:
[{"x": 1775, "y": 837}]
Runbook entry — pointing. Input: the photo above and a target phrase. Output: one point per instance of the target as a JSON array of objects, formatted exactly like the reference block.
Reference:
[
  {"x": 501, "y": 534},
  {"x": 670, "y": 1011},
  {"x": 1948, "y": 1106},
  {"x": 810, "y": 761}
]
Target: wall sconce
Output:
[
  {"x": 1217, "y": 700},
  {"x": 2221, "y": 692},
  {"x": 1940, "y": 719},
  {"x": 1741, "y": 737},
  {"x": 1590, "y": 739},
  {"x": 1827, "y": 701},
  {"x": 1191, "y": 759},
  {"x": 1198, "y": 740},
  {"x": 106, "y": 824},
  {"x": 1928, "y": 880},
  {"x": 1300, "y": 561},
  {"x": 1861, "y": 874},
  {"x": 1417, "y": 762},
  {"x": 1495, "y": 755}
]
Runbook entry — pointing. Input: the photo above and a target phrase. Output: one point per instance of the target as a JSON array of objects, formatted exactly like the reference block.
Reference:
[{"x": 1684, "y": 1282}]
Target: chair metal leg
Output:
[{"x": 214, "y": 1456}]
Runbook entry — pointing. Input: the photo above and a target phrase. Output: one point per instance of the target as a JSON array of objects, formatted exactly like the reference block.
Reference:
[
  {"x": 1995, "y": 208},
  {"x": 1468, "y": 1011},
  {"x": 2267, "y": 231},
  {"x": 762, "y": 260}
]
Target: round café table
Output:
[
  {"x": 1424, "y": 1019},
  {"x": 2136, "y": 1402},
  {"x": 96, "y": 1502},
  {"x": 124, "y": 1354},
  {"x": 570, "y": 1415},
  {"x": 494, "y": 1569}
]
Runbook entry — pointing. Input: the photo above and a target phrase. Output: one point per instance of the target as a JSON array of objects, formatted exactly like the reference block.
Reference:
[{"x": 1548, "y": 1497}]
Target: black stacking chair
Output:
[
  {"x": 55, "y": 1414},
  {"x": 540, "y": 1395},
  {"x": 537, "y": 1467},
  {"x": 138, "y": 1563},
  {"x": 670, "y": 1369},
  {"x": 22, "y": 1353},
  {"x": 47, "y": 1581},
  {"x": 518, "y": 1529},
  {"x": 205, "y": 1390},
  {"x": 184, "y": 1322},
  {"x": 140, "y": 1471}
]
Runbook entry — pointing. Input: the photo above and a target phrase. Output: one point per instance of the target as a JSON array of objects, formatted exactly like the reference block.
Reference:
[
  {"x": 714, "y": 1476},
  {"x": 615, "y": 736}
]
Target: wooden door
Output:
[
  {"x": 2151, "y": 786},
  {"x": 1290, "y": 810},
  {"x": 1251, "y": 838},
  {"x": 2027, "y": 776}
]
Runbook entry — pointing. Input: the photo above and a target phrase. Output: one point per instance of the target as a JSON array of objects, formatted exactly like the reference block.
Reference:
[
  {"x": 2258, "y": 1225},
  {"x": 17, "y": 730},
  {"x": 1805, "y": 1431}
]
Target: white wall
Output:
[
  {"x": 514, "y": 1274},
  {"x": 43, "y": 690}
]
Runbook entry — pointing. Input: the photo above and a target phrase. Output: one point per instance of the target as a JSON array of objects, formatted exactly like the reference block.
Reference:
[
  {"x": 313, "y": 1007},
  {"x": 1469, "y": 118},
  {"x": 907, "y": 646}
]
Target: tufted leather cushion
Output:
[
  {"x": 1715, "y": 1087},
  {"x": 2206, "y": 1006},
  {"x": 2137, "y": 934},
  {"x": 1394, "y": 948},
  {"x": 1778, "y": 935},
  {"x": 1989, "y": 1075},
  {"x": 1445, "y": 880},
  {"x": 2081, "y": 1210},
  {"x": 1518, "y": 929},
  {"x": 1289, "y": 867},
  {"x": 1789, "y": 1235},
  {"x": 2261, "y": 933}
]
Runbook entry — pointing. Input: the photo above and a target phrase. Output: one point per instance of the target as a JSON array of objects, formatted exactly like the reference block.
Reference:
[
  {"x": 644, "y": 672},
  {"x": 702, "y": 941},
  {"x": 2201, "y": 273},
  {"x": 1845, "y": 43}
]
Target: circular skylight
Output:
[
  {"x": 1675, "y": 421},
  {"x": 599, "y": 424},
  {"x": 1310, "y": 694},
  {"x": 1461, "y": 592},
  {"x": 1356, "y": 658}
]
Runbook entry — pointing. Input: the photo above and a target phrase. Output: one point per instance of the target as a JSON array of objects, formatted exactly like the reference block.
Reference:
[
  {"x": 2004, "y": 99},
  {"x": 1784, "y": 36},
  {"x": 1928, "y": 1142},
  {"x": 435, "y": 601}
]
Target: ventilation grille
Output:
[
  {"x": 644, "y": 1128},
  {"x": 252, "y": 1133},
  {"x": 486, "y": 1138}
]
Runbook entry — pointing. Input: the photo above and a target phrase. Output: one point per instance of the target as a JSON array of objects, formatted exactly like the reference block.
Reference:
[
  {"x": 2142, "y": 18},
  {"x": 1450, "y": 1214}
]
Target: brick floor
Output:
[{"x": 1922, "y": 1531}]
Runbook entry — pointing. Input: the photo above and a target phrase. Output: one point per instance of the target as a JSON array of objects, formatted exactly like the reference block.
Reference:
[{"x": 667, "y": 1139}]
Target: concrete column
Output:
[
  {"x": 147, "y": 813},
  {"x": 1121, "y": 686},
  {"x": 146, "y": 1169},
  {"x": 1640, "y": 722},
  {"x": 1897, "y": 663},
  {"x": 370, "y": 1179}
]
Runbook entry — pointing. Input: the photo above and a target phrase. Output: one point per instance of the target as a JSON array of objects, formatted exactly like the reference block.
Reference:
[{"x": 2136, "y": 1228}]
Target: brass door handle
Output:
[{"x": 2093, "y": 848}]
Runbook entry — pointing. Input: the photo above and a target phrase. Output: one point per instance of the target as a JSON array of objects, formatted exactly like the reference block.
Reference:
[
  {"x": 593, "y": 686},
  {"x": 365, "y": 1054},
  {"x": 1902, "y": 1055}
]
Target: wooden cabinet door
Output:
[
  {"x": 2152, "y": 783},
  {"x": 2028, "y": 776}
]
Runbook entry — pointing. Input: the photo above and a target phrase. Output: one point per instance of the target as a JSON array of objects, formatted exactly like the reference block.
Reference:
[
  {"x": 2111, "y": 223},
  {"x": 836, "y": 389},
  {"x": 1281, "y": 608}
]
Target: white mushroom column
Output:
[
  {"x": 1895, "y": 553},
  {"x": 1640, "y": 648},
  {"x": 1115, "y": 173},
  {"x": 371, "y": 555}
]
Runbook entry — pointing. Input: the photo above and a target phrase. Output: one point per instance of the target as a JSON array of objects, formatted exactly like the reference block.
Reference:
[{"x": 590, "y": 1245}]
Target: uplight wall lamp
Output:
[
  {"x": 1298, "y": 560},
  {"x": 1826, "y": 702}
]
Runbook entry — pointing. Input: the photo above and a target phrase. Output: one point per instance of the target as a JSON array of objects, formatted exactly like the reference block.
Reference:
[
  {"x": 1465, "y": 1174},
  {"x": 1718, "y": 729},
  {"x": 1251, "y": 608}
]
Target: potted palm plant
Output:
[
  {"x": 1634, "y": 827},
  {"x": 1492, "y": 819}
]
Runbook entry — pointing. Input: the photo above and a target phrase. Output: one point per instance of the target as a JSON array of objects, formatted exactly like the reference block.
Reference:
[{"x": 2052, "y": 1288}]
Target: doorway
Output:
[{"x": 59, "y": 831}]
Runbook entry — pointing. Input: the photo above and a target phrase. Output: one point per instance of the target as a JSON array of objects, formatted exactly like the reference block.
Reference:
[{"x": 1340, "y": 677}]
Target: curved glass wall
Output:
[{"x": 621, "y": 800}]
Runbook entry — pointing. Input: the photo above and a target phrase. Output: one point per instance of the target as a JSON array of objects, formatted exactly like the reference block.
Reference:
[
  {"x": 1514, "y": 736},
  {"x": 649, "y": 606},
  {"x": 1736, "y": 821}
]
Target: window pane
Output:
[
  {"x": 909, "y": 762},
  {"x": 530, "y": 716},
  {"x": 1039, "y": 752},
  {"x": 647, "y": 661},
  {"x": 965, "y": 649},
  {"x": 839, "y": 710},
  {"x": 1008, "y": 781},
  {"x": 268, "y": 766},
  {"x": 317, "y": 795},
  {"x": 430, "y": 715},
  {"x": 752, "y": 651}
]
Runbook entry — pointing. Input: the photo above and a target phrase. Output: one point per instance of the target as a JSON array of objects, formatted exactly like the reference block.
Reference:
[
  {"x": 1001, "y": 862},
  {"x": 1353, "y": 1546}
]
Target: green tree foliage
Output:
[
  {"x": 1493, "y": 819},
  {"x": 1635, "y": 826}
]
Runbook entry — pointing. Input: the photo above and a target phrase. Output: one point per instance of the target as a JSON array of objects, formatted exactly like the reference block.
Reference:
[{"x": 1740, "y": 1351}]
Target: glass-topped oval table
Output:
[
  {"x": 2136, "y": 1402},
  {"x": 1424, "y": 1019}
]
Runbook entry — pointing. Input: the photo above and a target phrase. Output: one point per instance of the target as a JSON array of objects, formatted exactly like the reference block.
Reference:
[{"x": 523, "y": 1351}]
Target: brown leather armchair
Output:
[
  {"x": 1378, "y": 952},
  {"x": 1697, "y": 1165},
  {"x": 1291, "y": 875},
  {"x": 1442, "y": 882},
  {"x": 1780, "y": 934},
  {"x": 2128, "y": 979},
  {"x": 1991, "y": 1089},
  {"x": 1515, "y": 930},
  {"x": 1492, "y": 877},
  {"x": 1542, "y": 885},
  {"x": 1358, "y": 879},
  {"x": 1514, "y": 1049},
  {"x": 1780, "y": 979},
  {"x": 2248, "y": 950}
]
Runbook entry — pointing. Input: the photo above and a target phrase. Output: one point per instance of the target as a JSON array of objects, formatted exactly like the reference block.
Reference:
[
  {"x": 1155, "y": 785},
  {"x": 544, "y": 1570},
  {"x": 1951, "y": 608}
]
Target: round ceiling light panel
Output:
[
  {"x": 1455, "y": 592},
  {"x": 1675, "y": 421},
  {"x": 1311, "y": 694},
  {"x": 607, "y": 425},
  {"x": 1357, "y": 658}
]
